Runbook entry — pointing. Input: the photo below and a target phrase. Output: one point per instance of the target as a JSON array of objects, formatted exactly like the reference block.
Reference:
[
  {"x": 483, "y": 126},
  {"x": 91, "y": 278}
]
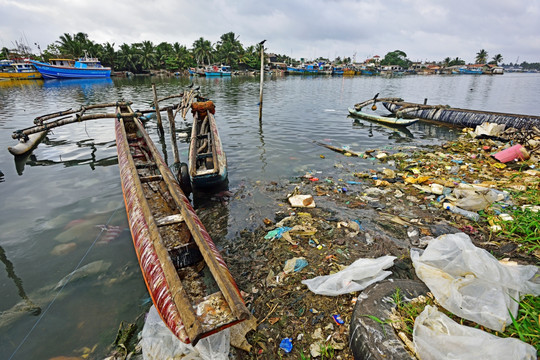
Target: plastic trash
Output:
[
  {"x": 476, "y": 198},
  {"x": 468, "y": 214},
  {"x": 286, "y": 345},
  {"x": 302, "y": 201},
  {"x": 437, "y": 337},
  {"x": 158, "y": 343},
  {"x": 357, "y": 276},
  {"x": 516, "y": 152},
  {"x": 277, "y": 233},
  {"x": 295, "y": 264},
  {"x": 490, "y": 129},
  {"x": 472, "y": 283}
]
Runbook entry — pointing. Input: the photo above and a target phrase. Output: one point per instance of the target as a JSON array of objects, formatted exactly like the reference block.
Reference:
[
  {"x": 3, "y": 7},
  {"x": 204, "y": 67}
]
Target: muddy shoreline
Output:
[{"x": 358, "y": 213}]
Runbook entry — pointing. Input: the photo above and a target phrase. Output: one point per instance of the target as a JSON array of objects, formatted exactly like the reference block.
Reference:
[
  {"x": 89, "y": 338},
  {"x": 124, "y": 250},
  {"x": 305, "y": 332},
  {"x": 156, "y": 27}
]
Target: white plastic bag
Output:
[
  {"x": 475, "y": 197},
  {"x": 437, "y": 337},
  {"x": 471, "y": 283},
  {"x": 357, "y": 276},
  {"x": 159, "y": 343}
]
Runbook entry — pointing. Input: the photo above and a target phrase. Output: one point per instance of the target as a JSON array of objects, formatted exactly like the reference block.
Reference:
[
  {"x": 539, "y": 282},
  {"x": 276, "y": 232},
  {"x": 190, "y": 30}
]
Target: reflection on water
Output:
[{"x": 57, "y": 200}]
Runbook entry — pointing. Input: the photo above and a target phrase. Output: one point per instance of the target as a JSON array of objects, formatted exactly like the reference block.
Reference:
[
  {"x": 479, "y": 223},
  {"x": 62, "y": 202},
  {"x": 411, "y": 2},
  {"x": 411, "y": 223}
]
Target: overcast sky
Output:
[{"x": 423, "y": 29}]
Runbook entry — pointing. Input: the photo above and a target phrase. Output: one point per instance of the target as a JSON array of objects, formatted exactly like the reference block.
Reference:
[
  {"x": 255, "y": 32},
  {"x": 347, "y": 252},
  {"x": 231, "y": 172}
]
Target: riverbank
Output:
[{"x": 355, "y": 214}]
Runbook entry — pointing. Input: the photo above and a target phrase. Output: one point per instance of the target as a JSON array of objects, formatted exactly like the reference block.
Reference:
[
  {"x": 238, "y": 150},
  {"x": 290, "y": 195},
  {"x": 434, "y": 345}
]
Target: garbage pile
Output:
[{"x": 332, "y": 235}]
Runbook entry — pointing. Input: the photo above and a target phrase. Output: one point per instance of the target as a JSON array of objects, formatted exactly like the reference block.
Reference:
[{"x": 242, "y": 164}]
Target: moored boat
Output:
[
  {"x": 389, "y": 120},
  {"x": 459, "y": 117},
  {"x": 215, "y": 70},
  {"x": 207, "y": 163},
  {"x": 172, "y": 245},
  {"x": 12, "y": 70},
  {"x": 85, "y": 67}
]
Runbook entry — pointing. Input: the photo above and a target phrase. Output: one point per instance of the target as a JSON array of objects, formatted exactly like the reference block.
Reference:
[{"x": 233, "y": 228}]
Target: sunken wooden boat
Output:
[
  {"x": 176, "y": 254},
  {"x": 388, "y": 120},
  {"x": 207, "y": 163},
  {"x": 459, "y": 117}
]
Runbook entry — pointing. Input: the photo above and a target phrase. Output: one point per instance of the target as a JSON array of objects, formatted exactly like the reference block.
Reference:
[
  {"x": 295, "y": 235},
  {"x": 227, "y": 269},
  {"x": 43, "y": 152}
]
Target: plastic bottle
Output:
[{"x": 468, "y": 214}]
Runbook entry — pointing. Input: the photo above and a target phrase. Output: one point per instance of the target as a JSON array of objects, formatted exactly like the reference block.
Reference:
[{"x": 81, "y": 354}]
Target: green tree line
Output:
[{"x": 143, "y": 56}]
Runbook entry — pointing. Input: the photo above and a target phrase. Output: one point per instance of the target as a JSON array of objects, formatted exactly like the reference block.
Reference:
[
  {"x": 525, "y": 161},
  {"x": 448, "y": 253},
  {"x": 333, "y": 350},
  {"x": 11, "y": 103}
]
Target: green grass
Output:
[
  {"x": 524, "y": 229},
  {"x": 525, "y": 325}
]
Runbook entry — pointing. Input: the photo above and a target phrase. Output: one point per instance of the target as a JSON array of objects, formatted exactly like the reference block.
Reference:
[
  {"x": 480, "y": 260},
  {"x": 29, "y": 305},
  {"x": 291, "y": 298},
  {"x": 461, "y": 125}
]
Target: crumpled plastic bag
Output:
[
  {"x": 357, "y": 276},
  {"x": 437, "y": 337},
  {"x": 159, "y": 343},
  {"x": 491, "y": 129},
  {"x": 476, "y": 198},
  {"x": 472, "y": 283}
]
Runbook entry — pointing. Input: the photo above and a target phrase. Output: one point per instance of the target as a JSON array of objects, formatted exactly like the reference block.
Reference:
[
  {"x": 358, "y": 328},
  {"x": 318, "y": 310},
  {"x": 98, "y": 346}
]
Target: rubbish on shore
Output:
[
  {"x": 158, "y": 342},
  {"x": 457, "y": 210},
  {"x": 302, "y": 201},
  {"x": 277, "y": 233},
  {"x": 516, "y": 152},
  {"x": 472, "y": 283},
  {"x": 436, "y": 336},
  {"x": 295, "y": 264},
  {"x": 490, "y": 129},
  {"x": 356, "y": 277},
  {"x": 476, "y": 198},
  {"x": 337, "y": 319},
  {"x": 286, "y": 345}
]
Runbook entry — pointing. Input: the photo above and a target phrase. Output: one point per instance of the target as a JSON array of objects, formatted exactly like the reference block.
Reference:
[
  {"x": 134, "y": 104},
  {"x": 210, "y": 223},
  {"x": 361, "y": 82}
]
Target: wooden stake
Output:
[
  {"x": 262, "y": 80},
  {"x": 158, "y": 114},
  {"x": 170, "y": 115}
]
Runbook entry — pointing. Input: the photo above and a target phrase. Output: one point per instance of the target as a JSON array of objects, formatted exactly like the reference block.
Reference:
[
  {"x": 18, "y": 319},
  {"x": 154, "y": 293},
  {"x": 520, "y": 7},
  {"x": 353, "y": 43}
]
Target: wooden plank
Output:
[
  {"x": 151, "y": 178},
  {"x": 169, "y": 220}
]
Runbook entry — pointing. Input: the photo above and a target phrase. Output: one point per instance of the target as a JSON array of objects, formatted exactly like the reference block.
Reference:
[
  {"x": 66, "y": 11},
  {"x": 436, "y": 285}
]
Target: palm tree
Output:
[
  {"x": 147, "y": 55},
  {"x": 202, "y": 49},
  {"x": 127, "y": 57},
  {"x": 108, "y": 56},
  {"x": 497, "y": 59},
  {"x": 447, "y": 61},
  {"x": 481, "y": 56}
]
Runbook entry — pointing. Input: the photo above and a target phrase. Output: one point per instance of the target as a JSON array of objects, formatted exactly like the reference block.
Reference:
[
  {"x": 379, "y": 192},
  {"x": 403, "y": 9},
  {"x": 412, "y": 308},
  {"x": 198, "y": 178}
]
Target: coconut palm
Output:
[
  {"x": 147, "y": 59},
  {"x": 497, "y": 59},
  {"x": 481, "y": 56},
  {"x": 202, "y": 50},
  {"x": 108, "y": 56},
  {"x": 446, "y": 62},
  {"x": 127, "y": 57}
]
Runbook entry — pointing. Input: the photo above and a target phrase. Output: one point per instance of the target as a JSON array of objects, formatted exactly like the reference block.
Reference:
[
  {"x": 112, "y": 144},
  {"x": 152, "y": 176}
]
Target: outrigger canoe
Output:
[
  {"x": 176, "y": 254},
  {"x": 382, "y": 119},
  {"x": 459, "y": 117},
  {"x": 207, "y": 164}
]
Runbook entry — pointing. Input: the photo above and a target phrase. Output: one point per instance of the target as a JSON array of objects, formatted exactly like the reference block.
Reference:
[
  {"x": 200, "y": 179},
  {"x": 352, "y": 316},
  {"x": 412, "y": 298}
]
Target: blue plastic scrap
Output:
[
  {"x": 277, "y": 233},
  {"x": 286, "y": 345}
]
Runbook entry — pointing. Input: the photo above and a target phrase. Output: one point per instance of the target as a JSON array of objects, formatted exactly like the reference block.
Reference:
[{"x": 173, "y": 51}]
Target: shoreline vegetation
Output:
[{"x": 176, "y": 59}]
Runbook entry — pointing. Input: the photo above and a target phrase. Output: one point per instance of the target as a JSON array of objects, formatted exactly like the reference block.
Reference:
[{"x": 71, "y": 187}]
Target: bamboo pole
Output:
[
  {"x": 158, "y": 114},
  {"x": 170, "y": 115},
  {"x": 262, "y": 79},
  {"x": 64, "y": 121}
]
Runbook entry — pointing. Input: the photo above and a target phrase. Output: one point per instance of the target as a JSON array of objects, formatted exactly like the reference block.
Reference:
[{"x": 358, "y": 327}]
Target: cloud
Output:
[{"x": 424, "y": 29}]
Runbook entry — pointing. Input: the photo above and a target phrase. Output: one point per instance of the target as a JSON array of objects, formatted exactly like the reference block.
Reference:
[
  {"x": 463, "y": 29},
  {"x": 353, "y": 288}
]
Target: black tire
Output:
[
  {"x": 183, "y": 176},
  {"x": 370, "y": 339}
]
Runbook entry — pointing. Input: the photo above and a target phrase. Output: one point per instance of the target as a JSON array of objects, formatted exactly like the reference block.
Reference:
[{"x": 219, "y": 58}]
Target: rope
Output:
[{"x": 63, "y": 286}]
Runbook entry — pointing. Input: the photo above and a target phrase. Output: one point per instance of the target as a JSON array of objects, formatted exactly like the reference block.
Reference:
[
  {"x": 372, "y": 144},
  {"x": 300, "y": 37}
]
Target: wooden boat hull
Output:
[
  {"x": 464, "y": 117},
  {"x": 168, "y": 237},
  {"x": 207, "y": 161},
  {"x": 382, "y": 119}
]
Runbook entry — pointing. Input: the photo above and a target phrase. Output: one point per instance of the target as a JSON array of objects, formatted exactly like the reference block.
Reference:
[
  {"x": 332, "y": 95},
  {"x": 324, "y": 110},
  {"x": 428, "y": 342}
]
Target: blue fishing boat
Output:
[
  {"x": 222, "y": 70},
  {"x": 295, "y": 70},
  {"x": 83, "y": 68},
  {"x": 471, "y": 70}
]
